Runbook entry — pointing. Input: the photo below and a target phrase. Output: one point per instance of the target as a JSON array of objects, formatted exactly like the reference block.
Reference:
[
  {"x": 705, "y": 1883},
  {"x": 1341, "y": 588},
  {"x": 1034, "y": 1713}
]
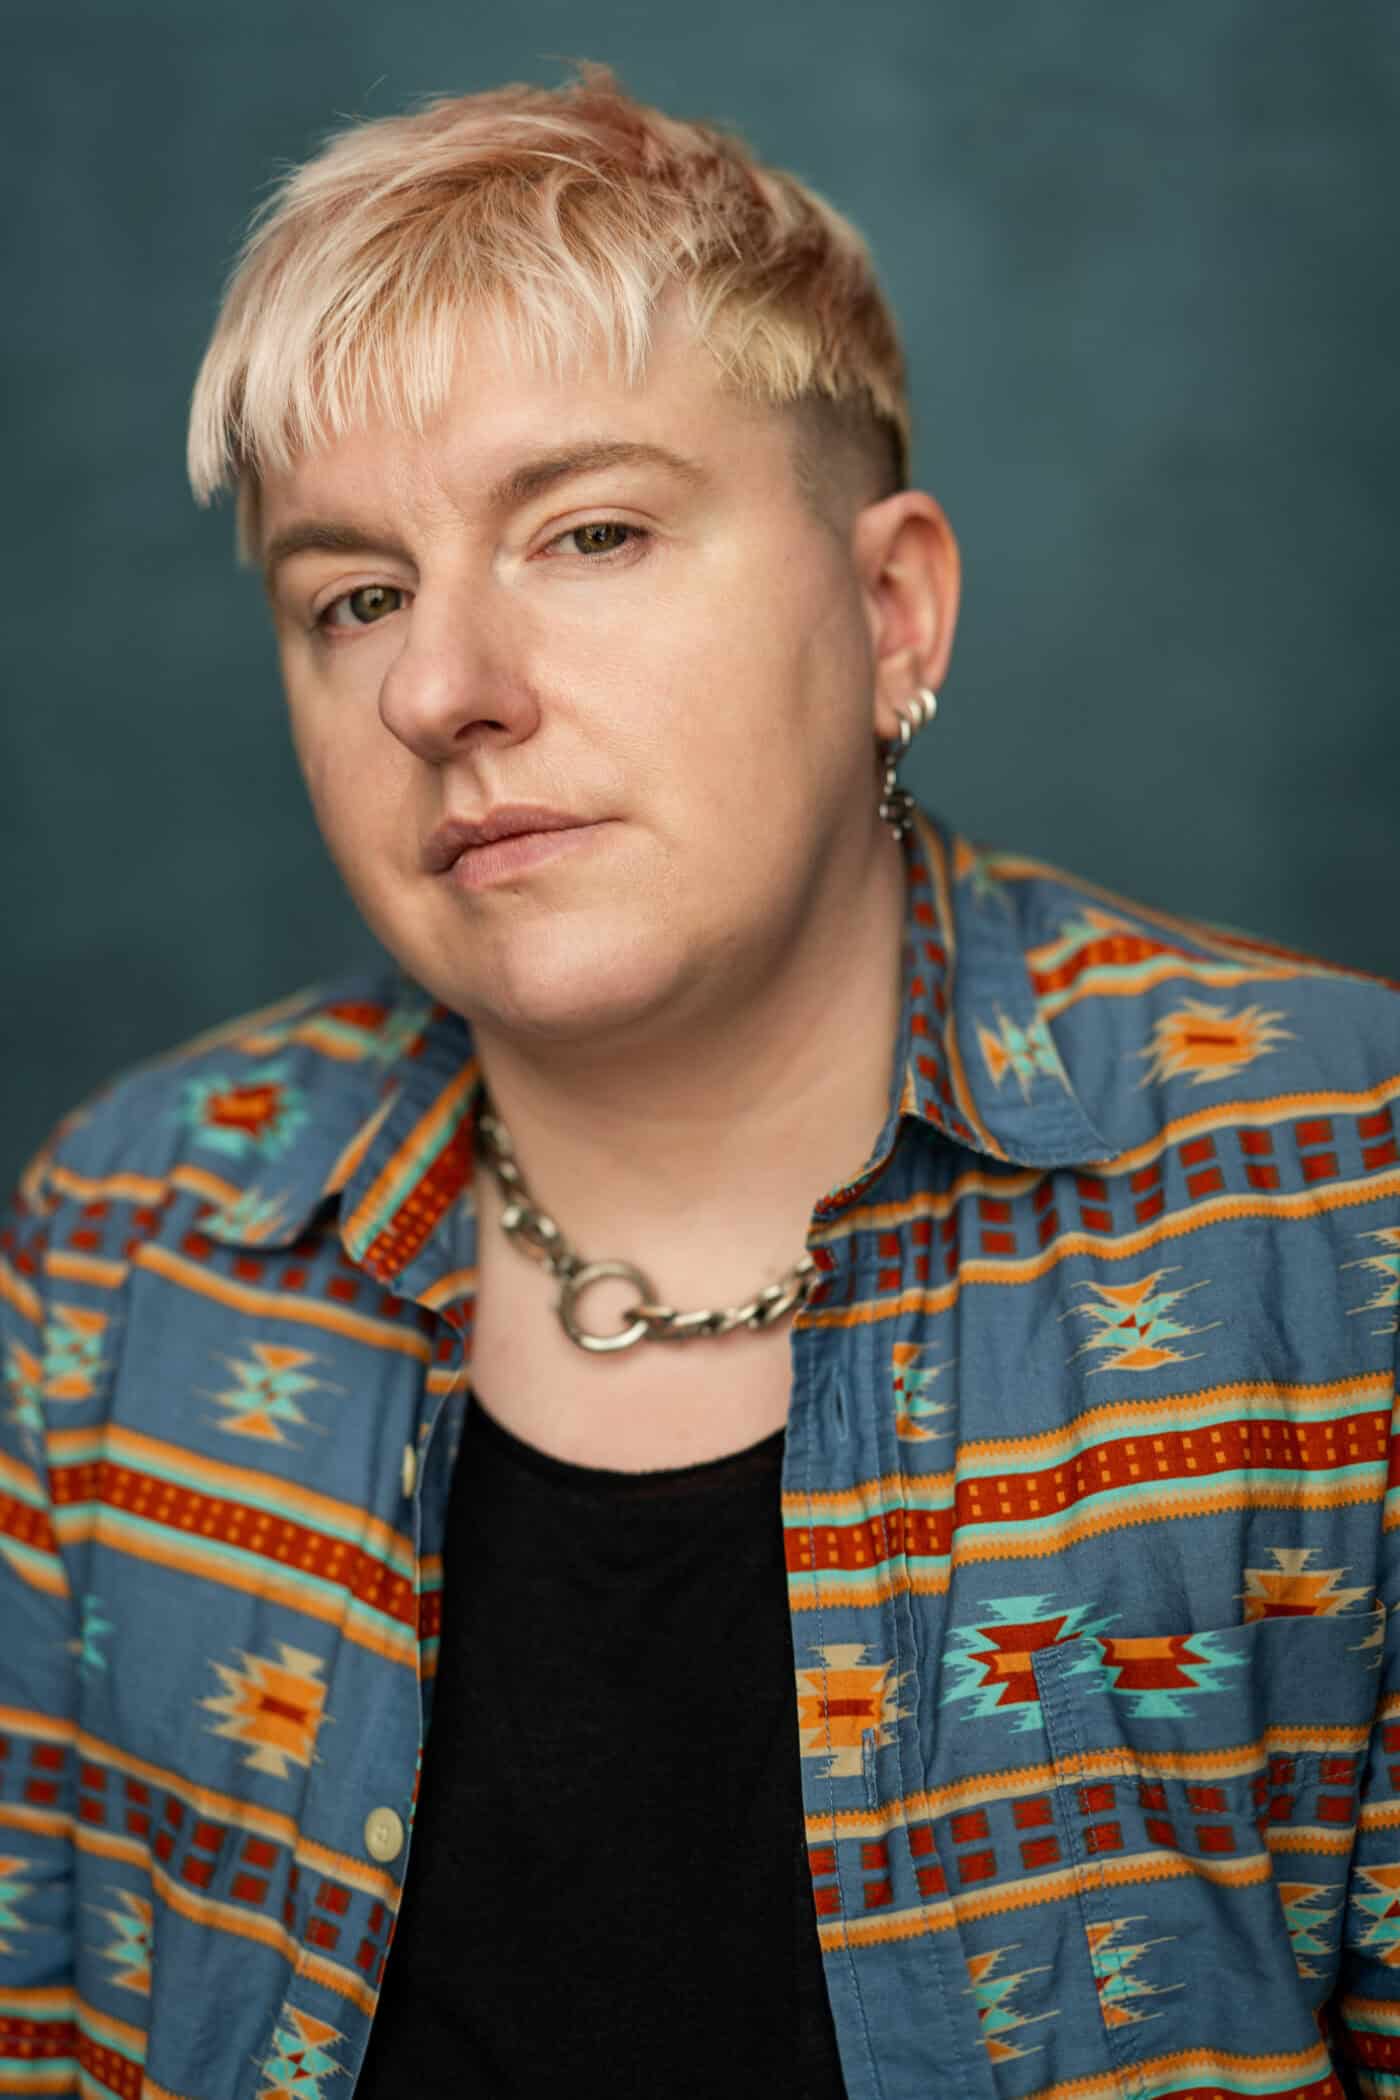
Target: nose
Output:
[{"x": 457, "y": 681}]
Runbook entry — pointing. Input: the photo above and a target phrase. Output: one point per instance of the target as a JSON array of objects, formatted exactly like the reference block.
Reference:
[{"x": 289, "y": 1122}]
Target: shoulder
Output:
[
  {"x": 1158, "y": 1016},
  {"x": 262, "y": 1102}
]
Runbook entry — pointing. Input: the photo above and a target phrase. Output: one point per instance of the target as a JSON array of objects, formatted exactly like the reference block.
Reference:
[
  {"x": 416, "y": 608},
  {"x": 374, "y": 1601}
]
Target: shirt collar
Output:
[
  {"x": 393, "y": 1145},
  {"x": 980, "y": 1064}
]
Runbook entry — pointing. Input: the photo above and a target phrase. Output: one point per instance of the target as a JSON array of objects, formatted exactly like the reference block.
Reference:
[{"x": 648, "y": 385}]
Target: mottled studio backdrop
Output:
[{"x": 1146, "y": 262}]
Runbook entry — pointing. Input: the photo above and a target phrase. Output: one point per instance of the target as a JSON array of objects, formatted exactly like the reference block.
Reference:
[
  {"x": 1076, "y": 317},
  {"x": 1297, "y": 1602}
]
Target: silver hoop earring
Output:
[{"x": 896, "y": 803}]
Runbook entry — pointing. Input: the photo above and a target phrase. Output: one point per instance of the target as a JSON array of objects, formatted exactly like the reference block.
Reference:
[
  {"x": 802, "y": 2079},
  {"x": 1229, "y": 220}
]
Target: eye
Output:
[
  {"x": 601, "y": 537},
  {"x": 370, "y": 603}
]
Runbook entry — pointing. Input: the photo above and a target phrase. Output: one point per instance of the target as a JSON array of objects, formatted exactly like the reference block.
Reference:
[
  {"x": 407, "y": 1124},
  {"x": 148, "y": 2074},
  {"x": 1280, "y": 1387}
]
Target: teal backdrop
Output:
[{"x": 1146, "y": 265}]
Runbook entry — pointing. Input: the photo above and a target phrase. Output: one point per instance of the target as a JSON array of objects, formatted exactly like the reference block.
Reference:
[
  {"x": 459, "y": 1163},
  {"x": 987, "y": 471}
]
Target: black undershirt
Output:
[{"x": 607, "y": 1881}]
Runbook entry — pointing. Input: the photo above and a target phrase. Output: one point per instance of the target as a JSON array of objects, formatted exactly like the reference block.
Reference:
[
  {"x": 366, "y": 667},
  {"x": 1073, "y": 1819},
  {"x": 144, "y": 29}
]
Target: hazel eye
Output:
[
  {"x": 604, "y": 536},
  {"x": 370, "y": 603}
]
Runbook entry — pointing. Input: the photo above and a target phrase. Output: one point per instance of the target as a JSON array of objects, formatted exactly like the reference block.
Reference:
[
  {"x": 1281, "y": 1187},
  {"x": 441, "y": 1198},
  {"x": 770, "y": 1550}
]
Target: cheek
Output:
[
  {"x": 316, "y": 756},
  {"x": 752, "y": 652},
  {"x": 344, "y": 782},
  {"x": 309, "y": 724},
  {"x": 807, "y": 640}
]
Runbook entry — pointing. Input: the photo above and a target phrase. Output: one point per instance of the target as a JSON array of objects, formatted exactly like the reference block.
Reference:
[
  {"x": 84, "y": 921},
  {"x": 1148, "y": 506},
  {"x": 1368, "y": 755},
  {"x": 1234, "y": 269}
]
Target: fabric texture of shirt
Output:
[
  {"x": 1085, "y": 1488},
  {"x": 609, "y": 1891}
]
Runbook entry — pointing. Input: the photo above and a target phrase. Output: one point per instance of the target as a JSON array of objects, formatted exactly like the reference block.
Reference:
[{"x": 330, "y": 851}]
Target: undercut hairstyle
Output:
[{"x": 559, "y": 218}]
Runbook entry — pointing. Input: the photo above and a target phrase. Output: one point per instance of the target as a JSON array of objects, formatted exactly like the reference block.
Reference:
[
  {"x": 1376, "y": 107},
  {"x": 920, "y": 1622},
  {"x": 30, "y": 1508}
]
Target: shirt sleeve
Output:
[
  {"x": 1366, "y": 2006},
  {"x": 38, "y": 1663}
]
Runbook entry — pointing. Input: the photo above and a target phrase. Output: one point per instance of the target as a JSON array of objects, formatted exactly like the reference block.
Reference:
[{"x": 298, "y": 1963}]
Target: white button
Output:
[
  {"x": 383, "y": 1834},
  {"x": 408, "y": 1472}
]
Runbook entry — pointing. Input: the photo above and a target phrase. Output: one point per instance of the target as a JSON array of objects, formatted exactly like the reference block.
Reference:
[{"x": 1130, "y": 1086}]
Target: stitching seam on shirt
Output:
[
  {"x": 972, "y": 2077},
  {"x": 1058, "y": 1708}
]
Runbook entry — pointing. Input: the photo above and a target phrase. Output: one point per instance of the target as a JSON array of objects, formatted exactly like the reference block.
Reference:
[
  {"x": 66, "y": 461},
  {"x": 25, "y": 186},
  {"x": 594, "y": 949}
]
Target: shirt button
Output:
[
  {"x": 383, "y": 1834},
  {"x": 408, "y": 1472}
]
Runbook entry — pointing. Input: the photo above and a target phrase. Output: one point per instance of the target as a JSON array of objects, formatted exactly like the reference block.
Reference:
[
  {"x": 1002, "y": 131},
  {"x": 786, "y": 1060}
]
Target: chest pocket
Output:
[{"x": 1206, "y": 1793}]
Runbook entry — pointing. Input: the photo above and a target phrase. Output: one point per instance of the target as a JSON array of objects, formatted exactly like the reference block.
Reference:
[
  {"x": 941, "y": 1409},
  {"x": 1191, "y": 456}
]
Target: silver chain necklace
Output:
[{"x": 536, "y": 1232}]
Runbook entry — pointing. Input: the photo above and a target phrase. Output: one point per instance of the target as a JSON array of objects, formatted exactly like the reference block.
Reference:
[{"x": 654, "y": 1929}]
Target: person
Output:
[{"x": 805, "y": 1405}]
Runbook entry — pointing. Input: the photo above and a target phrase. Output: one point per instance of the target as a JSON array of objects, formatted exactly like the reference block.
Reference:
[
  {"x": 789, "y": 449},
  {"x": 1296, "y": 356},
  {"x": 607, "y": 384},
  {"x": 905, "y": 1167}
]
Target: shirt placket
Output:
[
  {"x": 311, "y": 2032},
  {"x": 882, "y": 1868}
]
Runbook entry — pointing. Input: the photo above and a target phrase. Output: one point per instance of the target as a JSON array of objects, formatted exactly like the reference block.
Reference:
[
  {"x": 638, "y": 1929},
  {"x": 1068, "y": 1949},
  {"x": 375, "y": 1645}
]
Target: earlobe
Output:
[{"x": 898, "y": 677}]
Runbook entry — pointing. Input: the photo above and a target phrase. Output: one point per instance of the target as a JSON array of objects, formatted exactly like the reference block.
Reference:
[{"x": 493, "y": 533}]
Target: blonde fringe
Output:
[{"x": 559, "y": 218}]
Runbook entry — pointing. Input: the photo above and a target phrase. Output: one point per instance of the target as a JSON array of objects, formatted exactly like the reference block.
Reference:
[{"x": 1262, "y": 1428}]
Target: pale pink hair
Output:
[{"x": 560, "y": 216}]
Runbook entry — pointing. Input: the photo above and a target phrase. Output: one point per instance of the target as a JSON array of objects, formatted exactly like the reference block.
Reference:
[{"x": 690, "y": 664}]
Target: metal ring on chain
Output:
[
  {"x": 538, "y": 1235},
  {"x": 572, "y": 1290}
]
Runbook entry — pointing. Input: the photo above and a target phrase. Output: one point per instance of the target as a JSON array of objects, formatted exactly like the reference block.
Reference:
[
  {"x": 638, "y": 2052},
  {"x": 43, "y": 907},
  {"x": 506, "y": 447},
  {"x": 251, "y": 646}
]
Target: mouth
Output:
[
  {"x": 496, "y": 860},
  {"x": 458, "y": 837}
]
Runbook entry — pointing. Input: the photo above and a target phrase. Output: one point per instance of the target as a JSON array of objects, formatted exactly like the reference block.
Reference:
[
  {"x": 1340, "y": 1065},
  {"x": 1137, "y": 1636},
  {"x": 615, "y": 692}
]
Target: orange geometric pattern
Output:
[
  {"x": 1027, "y": 1051},
  {"x": 301, "y": 2059},
  {"x": 1159, "y": 1674},
  {"x": 841, "y": 1703},
  {"x": 1376, "y": 1894},
  {"x": 1006, "y": 1663},
  {"x": 1292, "y": 1590},
  {"x": 1202, "y": 1042},
  {"x": 260, "y": 1112},
  {"x": 263, "y": 1400},
  {"x": 1308, "y": 1915},
  {"x": 13, "y": 1889},
  {"x": 1134, "y": 1323},
  {"x": 990, "y": 1667},
  {"x": 129, "y": 1951},
  {"x": 997, "y": 2013},
  {"x": 1115, "y": 1960},
  {"x": 274, "y": 1706},
  {"x": 24, "y": 1383},
  {"x": 917, "y": 1413},
  {"x": 1385, "y": 1267},
  {"x": 73, "y": 1352}
]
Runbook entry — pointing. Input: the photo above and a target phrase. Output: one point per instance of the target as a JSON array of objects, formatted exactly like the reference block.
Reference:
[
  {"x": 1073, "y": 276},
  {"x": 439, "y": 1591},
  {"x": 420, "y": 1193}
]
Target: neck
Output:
[{"x": 701, "y": 1153}]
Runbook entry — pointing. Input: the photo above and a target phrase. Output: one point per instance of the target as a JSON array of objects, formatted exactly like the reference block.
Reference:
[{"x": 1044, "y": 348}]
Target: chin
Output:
[{"x": 566, "y": 988}]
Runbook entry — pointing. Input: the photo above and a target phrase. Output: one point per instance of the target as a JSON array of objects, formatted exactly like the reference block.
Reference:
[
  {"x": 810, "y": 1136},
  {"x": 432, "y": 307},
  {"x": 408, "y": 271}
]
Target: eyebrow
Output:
[{"x": 528, "y": 478}]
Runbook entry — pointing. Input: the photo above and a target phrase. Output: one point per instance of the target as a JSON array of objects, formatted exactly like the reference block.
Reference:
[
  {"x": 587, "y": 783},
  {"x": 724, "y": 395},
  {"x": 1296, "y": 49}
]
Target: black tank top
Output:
[{"x": 608, "y": 1876}]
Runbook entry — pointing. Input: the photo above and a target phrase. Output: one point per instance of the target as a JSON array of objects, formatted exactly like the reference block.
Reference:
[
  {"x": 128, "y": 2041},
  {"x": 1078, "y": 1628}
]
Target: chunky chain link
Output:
[{"x": 536, "y": 1232}]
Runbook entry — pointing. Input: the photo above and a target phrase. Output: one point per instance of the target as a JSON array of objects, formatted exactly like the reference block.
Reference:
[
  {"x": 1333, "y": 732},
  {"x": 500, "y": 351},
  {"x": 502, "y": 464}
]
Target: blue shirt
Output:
[{"x": 1089, "y": 1544}]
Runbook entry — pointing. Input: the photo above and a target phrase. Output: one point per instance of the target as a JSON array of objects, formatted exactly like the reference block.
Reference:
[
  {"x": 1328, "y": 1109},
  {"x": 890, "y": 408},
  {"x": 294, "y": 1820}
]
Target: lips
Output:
[{"x": 452, "y": 839}]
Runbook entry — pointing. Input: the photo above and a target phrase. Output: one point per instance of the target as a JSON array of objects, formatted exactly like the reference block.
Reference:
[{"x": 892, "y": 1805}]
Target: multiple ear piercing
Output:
[{"x": 896, "y": 803}]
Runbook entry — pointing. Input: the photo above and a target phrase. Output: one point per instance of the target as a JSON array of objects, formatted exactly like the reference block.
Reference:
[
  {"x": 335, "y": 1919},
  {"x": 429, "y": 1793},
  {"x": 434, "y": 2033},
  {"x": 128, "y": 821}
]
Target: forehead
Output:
[{"x": 503, "y": 410}]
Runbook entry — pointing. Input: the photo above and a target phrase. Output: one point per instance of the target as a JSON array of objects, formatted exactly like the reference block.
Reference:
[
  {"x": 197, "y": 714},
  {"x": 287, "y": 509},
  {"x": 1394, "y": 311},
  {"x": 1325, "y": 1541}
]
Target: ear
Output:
[{"x": 911, "y": 575}]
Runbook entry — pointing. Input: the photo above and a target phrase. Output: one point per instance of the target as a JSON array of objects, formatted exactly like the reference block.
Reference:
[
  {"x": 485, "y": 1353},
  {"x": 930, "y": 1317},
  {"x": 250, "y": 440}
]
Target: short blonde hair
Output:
[{"x": 560, "y": 216}]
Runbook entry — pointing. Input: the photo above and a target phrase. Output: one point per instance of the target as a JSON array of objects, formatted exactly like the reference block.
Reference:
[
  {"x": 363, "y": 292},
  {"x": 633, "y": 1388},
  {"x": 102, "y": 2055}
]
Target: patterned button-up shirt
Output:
[{"x": 1085, "y": 1502}]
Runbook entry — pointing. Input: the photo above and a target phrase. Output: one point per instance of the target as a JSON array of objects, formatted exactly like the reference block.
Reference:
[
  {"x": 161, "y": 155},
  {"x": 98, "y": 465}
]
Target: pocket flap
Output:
[{"x": 1278, "y": 1685}]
